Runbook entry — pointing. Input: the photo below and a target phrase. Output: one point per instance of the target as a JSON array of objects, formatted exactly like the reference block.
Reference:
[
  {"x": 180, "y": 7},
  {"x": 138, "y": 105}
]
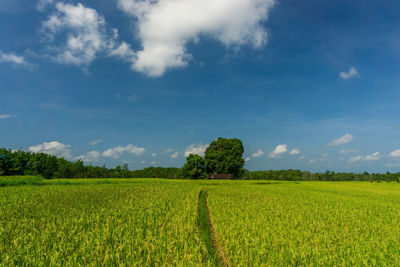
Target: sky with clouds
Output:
[{"x": 309, "y": 85}]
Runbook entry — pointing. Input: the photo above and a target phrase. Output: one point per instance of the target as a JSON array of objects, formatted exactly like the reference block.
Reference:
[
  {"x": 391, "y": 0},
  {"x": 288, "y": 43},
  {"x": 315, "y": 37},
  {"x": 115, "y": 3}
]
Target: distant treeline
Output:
[
  {"x": 298, "y": 175},
  {"x": 27, "y": 163}
]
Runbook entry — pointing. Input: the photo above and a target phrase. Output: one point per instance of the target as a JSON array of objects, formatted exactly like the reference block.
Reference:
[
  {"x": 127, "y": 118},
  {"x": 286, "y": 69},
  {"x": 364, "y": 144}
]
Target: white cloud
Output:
[
  {"x": 355, "y": 159},
  {"x": 347, "y": 138},
  {"x": 91, "y": 156},
  {"x": 117, "y": 151},
  {"x": 258, "y": 154},
  {"x": 12, "y": 58},
  {"x": 312, "y": 160},
  {"x": 52, "y": 148},
  {"x": 80, "y": 34},
  {"x": 372, "y": 157},
  {"x": 198, "y": 149},
  {"x": 95, "y": 142},
  {"x": 395, "y": 154},
  {"x": 175, "y": 155},
  {"x": 5, "y": 116},
  {"x": 165, "y": 27},
  {"x": 247, "y": 159},
  {"x": 301, "y": 157},
  {"x": 154, "y": 155},
  {"x": 351, "y": 73},
  {"x": 344, "y": 151},
  {"x": 278, "y": 151},
  {"x": 124, "y": 51},
  {"x": 294, "y": 151},
  {"x": 325, "y": 155}
]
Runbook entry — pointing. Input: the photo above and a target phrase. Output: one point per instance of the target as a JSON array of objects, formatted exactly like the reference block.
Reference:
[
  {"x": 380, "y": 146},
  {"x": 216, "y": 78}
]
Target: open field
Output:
[{"x": 238, "y": 223}]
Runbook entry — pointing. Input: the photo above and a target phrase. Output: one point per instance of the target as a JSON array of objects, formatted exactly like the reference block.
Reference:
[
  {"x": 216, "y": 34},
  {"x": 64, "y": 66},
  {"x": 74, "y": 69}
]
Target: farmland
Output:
[{"x": 156, "y": 222}]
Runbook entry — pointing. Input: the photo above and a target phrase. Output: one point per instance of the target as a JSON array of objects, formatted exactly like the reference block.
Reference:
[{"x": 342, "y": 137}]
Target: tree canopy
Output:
[
  {"x": 224, "y": 156},
  {"x": 195, "y": 167}
]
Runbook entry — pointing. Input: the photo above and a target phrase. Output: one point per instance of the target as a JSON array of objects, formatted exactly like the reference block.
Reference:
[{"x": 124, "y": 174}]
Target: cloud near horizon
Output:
[
  {"x": 373, "y": 157},
  {"x": 117, "y": 151},
  {"x": 54, "y": 148},
  {"x": 197, "y": 149},
  {"x": 278, "y": 151}
]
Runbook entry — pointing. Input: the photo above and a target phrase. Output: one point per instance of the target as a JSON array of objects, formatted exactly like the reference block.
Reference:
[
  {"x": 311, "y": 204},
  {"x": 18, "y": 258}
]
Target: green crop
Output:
[
  {"x": 311, "y": 223},
  {"x": 154, "y": 222},
  {"x": 143, "y": 223}
]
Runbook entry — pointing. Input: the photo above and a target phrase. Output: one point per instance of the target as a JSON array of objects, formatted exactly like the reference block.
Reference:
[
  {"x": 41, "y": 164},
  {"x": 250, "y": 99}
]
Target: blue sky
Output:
[{"x": 312, "y": 85}]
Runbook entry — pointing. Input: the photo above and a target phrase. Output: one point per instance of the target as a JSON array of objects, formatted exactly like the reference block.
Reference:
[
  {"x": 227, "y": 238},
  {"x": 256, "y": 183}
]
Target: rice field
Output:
[{"x": 157, "y": 222}]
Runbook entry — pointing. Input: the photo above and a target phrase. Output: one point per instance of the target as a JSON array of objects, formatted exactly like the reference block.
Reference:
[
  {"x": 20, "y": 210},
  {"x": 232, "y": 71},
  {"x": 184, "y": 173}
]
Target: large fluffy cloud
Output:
[
  {"x": 54, "y": 148},
  {"x": 117, "y": 151},
  {"x": 78, "y": 34},
  {"x": 347, "y": 138},
  {"x": 166, "y": 26}
]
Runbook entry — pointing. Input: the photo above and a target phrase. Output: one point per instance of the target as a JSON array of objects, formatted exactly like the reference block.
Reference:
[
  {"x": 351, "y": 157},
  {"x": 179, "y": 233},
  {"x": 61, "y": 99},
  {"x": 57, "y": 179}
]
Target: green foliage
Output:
[
  {"x": 195, "y": 167},
  {"x": 224, "y": 156}
]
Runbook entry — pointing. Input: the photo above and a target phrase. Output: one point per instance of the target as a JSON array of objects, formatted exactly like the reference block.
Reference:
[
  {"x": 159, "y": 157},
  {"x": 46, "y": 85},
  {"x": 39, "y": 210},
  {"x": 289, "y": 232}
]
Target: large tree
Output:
[{"x": 224, "y": 156}]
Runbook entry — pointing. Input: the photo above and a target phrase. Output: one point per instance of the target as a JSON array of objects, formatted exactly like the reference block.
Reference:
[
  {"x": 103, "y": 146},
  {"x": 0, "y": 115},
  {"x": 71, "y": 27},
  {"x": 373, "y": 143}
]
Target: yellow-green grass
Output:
[
  {"x": 150, "y": 222},
  {"x": 308, "y": 223}
]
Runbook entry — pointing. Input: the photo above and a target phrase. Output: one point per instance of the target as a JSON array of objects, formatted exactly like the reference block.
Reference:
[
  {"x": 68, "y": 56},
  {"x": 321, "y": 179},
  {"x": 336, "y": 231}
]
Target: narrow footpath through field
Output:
[{"x": 207, "y": 232}]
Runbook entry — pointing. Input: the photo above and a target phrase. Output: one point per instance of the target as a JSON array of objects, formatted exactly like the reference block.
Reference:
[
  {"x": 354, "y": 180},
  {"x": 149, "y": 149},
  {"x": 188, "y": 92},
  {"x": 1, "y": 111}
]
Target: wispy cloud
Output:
[
  {"x": 294, "y": 151},
  {"x": 349, "y": 74},
  {"x": 347, "y": 151},
  {"x": 95, "y": 142},
  {"x": 347, "y": 138},
  {"x": 5, "y": 116},
  {"x": 175, "y": 155}
]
